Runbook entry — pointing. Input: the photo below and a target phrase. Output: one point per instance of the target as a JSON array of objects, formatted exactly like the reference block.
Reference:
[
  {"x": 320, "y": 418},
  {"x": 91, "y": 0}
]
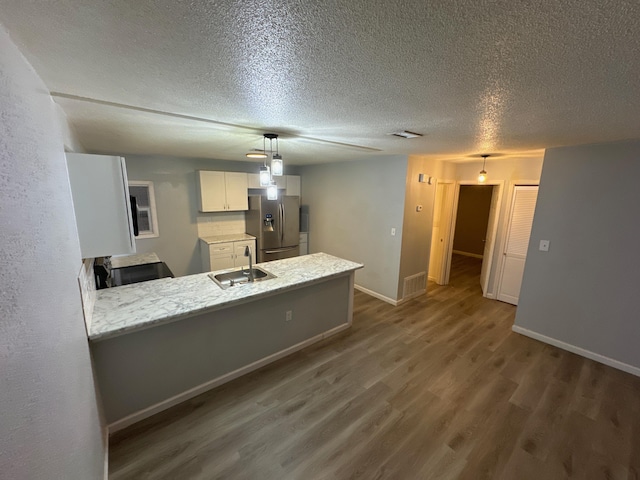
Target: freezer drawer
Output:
[{"x": 268, "y": 254}]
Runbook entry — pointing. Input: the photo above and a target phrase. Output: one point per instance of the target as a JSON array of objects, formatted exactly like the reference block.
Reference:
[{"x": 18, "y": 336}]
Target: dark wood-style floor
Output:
[{"x": 438, "y": 388}]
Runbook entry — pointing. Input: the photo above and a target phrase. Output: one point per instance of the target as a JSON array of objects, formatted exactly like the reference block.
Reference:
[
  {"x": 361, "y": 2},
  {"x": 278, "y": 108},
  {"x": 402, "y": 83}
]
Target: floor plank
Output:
[{"x": 437, "y": 388}]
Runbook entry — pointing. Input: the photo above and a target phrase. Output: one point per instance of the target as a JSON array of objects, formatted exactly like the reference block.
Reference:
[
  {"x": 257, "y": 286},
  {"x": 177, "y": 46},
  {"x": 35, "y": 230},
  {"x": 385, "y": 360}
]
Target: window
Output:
[{"x": 146, "y": 205}]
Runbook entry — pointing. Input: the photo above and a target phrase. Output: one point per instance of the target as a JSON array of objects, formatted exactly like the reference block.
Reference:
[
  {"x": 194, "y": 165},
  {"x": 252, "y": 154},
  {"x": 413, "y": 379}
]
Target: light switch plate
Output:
[{"x": 544, "y": 245}]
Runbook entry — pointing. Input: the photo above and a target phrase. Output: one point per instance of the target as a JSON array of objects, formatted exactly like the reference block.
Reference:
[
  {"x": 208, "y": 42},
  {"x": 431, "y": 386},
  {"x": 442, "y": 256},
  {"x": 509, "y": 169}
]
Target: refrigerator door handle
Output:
[
  {"x": 281, "y": 215},
  {"x": 280, "y": 250}
]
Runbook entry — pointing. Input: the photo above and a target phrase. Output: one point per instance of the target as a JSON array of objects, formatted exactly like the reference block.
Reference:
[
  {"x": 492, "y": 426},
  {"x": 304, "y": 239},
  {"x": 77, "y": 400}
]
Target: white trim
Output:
[
  {"x": 625, "y": 367},
  {"x": 467, "y": 254},
  {"x": 227, "y": 377},
  {"x": 155, "y": 230},
  {"x": 379, "y": 296},
  {"x": 490, "y": 296}
]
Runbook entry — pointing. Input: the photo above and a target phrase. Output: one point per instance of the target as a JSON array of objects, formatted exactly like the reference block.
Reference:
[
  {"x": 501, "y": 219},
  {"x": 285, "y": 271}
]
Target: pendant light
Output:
[
  {"x": 277, "y": 167},
  {"x": 275, "y": 170},
  {"x": 265, "y": 176},
  {"x": 482, "y": 176},
  {"x": 272, "y": 191}
]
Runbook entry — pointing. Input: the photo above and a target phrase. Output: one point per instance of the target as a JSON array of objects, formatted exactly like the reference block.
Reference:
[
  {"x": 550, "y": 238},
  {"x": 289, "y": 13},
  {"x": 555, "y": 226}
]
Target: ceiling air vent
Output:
[{"x": 406, "y": 134}]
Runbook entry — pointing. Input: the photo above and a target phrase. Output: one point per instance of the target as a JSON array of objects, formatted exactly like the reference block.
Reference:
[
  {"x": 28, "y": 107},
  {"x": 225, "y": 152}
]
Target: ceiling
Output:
[{"x": 207, "y": 78}]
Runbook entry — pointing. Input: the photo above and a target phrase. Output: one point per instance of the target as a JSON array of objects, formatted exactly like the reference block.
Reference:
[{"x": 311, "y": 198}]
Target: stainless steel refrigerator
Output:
[{"x": 276, "y": 225}]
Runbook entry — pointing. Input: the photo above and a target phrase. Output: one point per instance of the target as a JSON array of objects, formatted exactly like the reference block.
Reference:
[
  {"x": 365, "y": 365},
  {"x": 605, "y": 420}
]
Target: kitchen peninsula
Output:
[{"x": 158, "y": 343}]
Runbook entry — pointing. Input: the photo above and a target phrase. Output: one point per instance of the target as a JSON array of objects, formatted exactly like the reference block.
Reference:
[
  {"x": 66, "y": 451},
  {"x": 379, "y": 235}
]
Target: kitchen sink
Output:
[{"x": 239, "y": 277}]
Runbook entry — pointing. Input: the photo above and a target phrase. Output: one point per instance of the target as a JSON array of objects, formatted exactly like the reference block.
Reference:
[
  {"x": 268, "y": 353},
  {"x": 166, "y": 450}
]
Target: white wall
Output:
[
  {"x": 49, "y": 418},
  {"x": 508, "y": 171},
  {"x": 352, "y": 208},
  {"x": 584, "y": 290}
]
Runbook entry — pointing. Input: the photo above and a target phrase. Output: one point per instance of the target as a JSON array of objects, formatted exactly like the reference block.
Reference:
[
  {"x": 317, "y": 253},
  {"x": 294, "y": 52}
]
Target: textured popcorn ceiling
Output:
[{"x": 473, "y": 76}]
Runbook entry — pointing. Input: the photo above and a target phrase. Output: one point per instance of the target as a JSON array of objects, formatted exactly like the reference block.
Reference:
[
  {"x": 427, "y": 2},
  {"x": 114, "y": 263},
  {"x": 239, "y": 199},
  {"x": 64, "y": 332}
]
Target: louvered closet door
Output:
[{"x": 515, "y": 254}]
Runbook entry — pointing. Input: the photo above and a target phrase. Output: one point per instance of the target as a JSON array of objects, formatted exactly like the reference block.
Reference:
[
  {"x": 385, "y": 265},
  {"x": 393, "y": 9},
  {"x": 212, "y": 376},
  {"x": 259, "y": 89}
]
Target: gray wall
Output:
[
  {"x": 144, "y": 368},
  {"x": 49, "y": 421},
  {"x": 352, "y": 208},
  {"x": 584, "y": 290},
  {"x": 417, "y": 226},
  {"x": 174, "y": 183}
]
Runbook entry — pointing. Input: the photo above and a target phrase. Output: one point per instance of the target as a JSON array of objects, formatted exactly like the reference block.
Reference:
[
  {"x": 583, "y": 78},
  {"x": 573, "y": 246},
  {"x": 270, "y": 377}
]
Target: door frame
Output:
[
  {"x": 445, "y": 228},
  {"x": 505, "y": 230},
  {"x": 494, "y": 229}
]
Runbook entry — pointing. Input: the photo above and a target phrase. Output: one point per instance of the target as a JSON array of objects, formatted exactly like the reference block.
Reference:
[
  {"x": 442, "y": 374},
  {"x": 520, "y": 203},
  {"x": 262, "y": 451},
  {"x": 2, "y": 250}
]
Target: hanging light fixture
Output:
[
  {"x": 275, "y": 170},
  {"x": 482, "y": 176},
  {"x": 272, "y": 191},
  {"x": 277, "y": 167},
  {"x": 265, "y": 176}
]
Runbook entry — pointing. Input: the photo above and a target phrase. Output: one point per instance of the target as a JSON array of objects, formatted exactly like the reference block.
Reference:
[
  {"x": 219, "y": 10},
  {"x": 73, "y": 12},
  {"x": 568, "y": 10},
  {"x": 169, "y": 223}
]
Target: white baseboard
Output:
[
  {"x": 467, "y": 254},
  {"x": 377, "y": 295},
  {"x": 625, "y": 367},
  {"x": 195, "y": 391},
  {"x": 490, "y": 296},
  {"x": 409, "y": 297}
]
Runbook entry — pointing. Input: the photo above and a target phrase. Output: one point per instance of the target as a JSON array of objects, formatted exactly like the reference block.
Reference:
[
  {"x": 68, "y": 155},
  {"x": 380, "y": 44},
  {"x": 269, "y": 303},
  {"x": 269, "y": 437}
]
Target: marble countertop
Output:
[
  {"x": 131, "y": 260},
  {"x": 233, "y": 237},
  {"x": 130, "y": 308}
]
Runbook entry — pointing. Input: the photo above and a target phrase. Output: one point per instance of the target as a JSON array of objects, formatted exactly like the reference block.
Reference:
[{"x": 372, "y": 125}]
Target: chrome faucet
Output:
[{"x": 247, "y": 253}]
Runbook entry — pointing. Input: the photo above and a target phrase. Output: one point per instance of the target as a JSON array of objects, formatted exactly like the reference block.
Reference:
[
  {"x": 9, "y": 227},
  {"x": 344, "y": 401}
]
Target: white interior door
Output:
[
  {"x": 440, "y": 232},
  {"x": 515, "y": 253},
  {"x": 487, "y": 255}
]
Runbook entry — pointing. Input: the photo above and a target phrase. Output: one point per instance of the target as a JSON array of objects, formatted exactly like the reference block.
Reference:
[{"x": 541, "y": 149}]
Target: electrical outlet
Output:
[
  {"x": 288, "y": 316},
  {"x": 393, "y": 232}
]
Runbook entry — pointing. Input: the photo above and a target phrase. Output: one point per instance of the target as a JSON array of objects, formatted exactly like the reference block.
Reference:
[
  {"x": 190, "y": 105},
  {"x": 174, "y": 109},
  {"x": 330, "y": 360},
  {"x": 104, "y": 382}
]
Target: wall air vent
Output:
[
  {"x": 414, "y": 285},
  {"x": 406, "y": 134}
]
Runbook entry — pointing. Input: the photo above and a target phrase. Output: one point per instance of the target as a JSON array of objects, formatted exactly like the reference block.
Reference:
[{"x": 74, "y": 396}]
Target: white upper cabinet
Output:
[
  {"x": 101, "y": 203},
  {"x": 293, "y": 185},
  {"x": 236, "y": 188},
  {"x": 222, "y": 191},
  {"x": 254, "y": 181},
  {"x": 289, "y": 182}
]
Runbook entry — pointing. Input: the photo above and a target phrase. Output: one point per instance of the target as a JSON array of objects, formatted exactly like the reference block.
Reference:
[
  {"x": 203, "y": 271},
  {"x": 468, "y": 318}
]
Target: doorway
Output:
[
  {"x": 445, "y": 220},
  {"x": 470, "y": 231}
]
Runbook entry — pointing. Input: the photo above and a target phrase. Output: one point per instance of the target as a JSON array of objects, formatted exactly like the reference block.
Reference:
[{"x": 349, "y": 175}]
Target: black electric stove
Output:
[{"x": 139, "y": 273}]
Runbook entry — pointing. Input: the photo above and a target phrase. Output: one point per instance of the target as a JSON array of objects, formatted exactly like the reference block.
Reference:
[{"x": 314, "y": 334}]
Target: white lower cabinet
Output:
[
  {"x": 220, "y": 256},
  {"x": 304, "y": 243}
]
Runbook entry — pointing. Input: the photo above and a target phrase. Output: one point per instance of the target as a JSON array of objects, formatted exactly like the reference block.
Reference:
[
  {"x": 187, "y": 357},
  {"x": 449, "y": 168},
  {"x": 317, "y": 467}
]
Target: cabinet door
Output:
[
  {"x": 211, "y": 191},
  {"x": 237, "y": 196},
  {"x": 221, "y": 256},
  {"x": 293, "y": 185},
  {"x": 101, "y": 204},
  {"x": 241, "y": 260}
]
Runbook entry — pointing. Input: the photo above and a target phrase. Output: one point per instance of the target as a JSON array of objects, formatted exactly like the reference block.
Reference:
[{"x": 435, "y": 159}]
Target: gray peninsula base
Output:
[{"x": 150, "y": 370}]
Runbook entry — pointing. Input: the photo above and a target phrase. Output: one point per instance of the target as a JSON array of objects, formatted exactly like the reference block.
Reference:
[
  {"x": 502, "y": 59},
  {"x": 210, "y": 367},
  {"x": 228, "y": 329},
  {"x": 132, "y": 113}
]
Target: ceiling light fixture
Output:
[
  {"x": 276, "y": 167},
  {"x": 482, "y": 177},
  {"x": 256, "y": 154}
]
